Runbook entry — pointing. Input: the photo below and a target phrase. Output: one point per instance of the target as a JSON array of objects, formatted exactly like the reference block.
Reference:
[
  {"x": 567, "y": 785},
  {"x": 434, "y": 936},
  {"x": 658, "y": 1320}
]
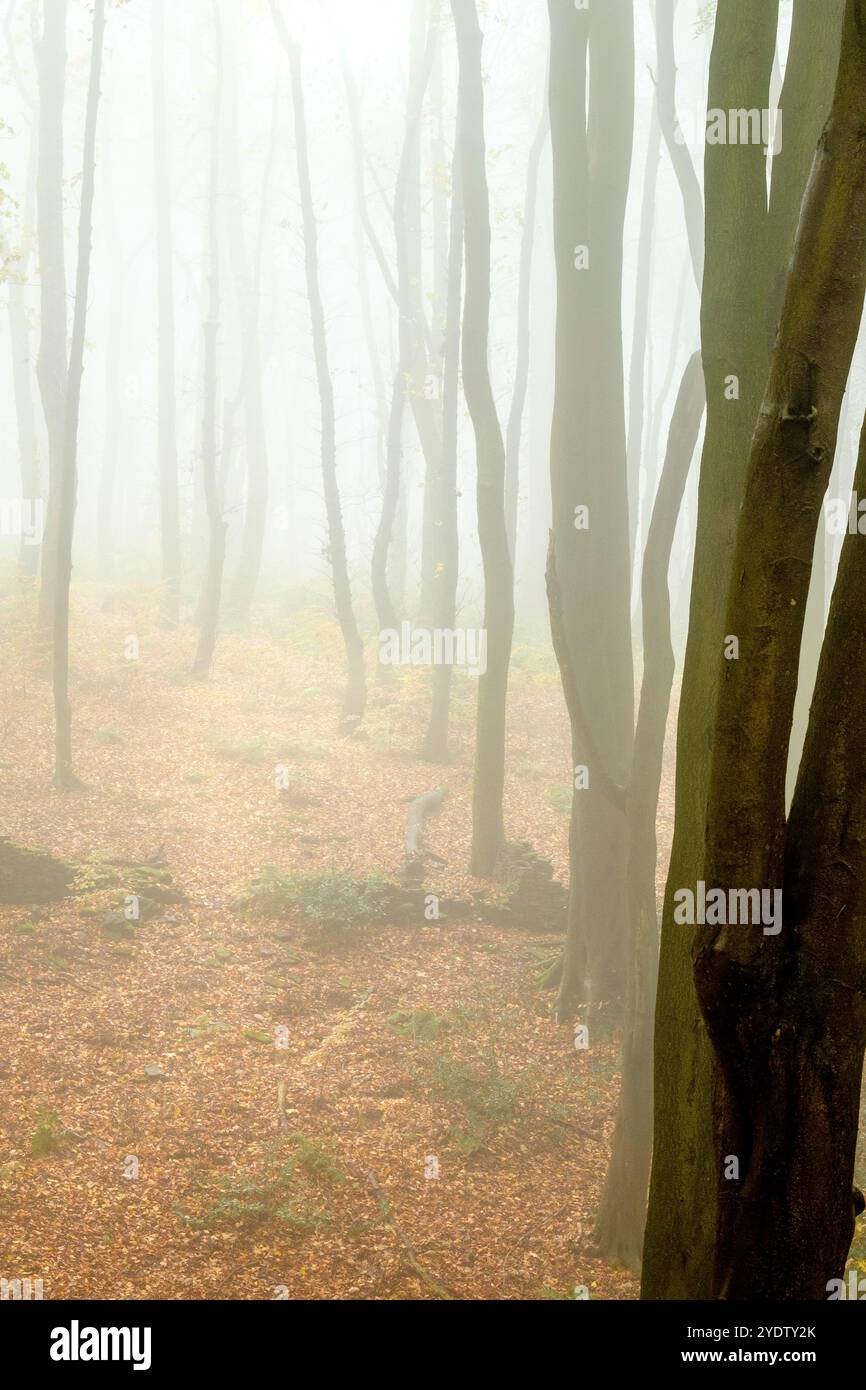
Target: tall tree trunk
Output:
[
  {"x": 446, "y": 551},
  {"x": 622, "y": 1214},
  {"x": 209, "y": 603},
  {"x": 113, "y": 375},
  {"x": 680, "y": 1220},
  {"x": 386, "y": 612},
  {"x": 591, "y": 161},
  {"x": 737, "y": 290},
  {"x": 809, "y": 77},
  {"x": 785, "y": 1010},
  {"x": 248, "y": 303},
  {"x": 514, "y": 428},
  {"x": 637, "y": 383},
  {"x": 666, "y": 105},
  {"x": 51, "y": 365},
  {"x": 488, "y": 834},
  {"x": 67, "y": 482},
  {"x": 167, "y": 405},
  {"x": 355, "y": 697}
]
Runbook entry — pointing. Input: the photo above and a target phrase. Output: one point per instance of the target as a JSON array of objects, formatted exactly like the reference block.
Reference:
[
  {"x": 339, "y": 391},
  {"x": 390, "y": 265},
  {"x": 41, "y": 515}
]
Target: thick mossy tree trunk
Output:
[
  {"x": 355, "y": 695},
  {"x": 745, "y": 256},
  {"x": 786, "y": 1008},
  {"x": 64, "y": 778},
  {"x": 166, "y": 391},
  {"x": 591, "y": 162},
  {"x": 488, "y": 834},
  {"x": 209, "y": 602},
  {"x": 51, "y": 364}
]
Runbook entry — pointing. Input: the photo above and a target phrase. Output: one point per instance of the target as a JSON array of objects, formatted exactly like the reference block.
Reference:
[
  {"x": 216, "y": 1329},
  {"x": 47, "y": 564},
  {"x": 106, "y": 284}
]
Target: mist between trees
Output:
[{"x": 437, "y": 420}]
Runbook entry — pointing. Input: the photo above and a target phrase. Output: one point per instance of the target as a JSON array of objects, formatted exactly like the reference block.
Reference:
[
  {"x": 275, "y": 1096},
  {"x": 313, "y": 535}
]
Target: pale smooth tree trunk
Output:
[{"x": 488, "y": 833}]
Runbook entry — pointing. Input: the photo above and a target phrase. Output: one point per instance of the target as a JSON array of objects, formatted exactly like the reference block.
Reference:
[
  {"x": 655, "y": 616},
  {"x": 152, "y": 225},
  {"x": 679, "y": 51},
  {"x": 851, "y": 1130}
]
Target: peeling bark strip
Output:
[{"x": 787, "y": 1014}]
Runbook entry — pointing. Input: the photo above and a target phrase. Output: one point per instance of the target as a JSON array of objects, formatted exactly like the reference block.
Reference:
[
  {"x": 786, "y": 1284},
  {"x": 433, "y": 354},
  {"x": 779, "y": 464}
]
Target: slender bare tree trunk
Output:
[
  {"x": 622, "y": 1213},
  {"x": 22, "y": 368},
  {"x": 355, "y": 696},
  {"x": 209, "y": 603},
  {"x": 488, "y": 833},
  {"x": 113, "y": 376},
  {"x": 167, "y": 406},
  {"x": 247, "y": 294},
  {"x": 51, "y": 366},
  {"x": 514, "y": 427},
  {"x": 446, "y": 551},
  {"x": 64, "y": 779}
]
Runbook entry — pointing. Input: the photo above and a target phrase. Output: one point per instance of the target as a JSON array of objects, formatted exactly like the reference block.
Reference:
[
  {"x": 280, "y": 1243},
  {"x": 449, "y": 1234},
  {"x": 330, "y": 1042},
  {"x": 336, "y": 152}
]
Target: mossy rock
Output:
[{"x": 31, "y": 875}]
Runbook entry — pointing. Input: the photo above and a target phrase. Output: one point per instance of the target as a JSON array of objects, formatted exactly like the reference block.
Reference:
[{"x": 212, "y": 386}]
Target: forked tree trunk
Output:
[
  {"x": 355, "y": 697},
  {"x": 64, "y": 778},
  {"x": 678, "y": 1248},
  {"x": 591, "y": 161},
  {"x": 488, "y": 834},
  {"x": 786, "y": 1010}
]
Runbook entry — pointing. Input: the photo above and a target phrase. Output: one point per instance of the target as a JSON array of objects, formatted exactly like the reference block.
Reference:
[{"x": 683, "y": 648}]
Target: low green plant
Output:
[
  {"x": 328, "y": 899},
  {"x": 48, "y": 1135},
  {"x": 420, "y": 1024}
]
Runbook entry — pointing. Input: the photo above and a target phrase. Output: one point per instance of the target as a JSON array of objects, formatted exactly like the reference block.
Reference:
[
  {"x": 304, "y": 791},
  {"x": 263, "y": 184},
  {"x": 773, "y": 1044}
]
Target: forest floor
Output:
[{"x": 421, "y": 1129}]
